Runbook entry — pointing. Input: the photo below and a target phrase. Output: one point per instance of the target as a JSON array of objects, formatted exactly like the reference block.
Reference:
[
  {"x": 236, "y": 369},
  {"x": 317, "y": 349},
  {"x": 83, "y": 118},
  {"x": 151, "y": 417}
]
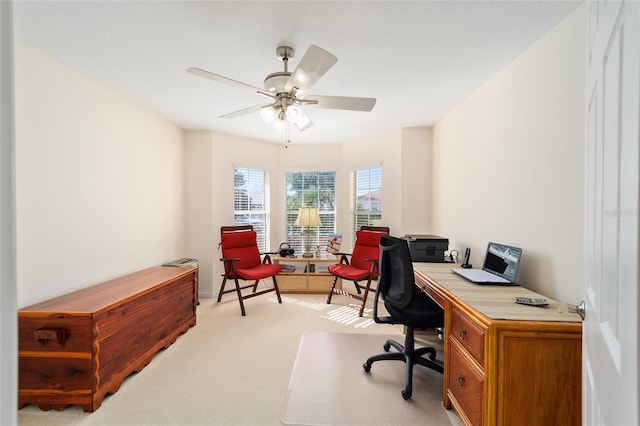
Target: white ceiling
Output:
[{"x": 418, "y": 58}]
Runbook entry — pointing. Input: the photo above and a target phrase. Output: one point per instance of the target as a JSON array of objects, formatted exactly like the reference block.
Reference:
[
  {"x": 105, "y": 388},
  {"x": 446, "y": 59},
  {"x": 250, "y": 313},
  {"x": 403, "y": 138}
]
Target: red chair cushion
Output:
[
  {"x": 367, "y": 247},
  {"x": 264, "y": 270},
  {"x": 348, "y": 272},
  {"x": 241, "y": 245}
]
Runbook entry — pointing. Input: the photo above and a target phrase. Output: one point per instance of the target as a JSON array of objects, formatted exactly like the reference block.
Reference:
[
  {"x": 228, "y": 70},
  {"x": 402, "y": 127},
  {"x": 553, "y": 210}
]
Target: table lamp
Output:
[{"x": 308, "y": 216}]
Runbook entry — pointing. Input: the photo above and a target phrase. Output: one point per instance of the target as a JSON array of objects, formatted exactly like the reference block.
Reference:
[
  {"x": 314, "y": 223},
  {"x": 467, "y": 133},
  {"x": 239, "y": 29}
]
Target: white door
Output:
[{"x": 610, "y": 357}]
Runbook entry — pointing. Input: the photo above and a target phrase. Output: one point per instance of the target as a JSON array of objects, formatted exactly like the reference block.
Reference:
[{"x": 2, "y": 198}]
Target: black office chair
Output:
[{"x": 405, "y": 305}]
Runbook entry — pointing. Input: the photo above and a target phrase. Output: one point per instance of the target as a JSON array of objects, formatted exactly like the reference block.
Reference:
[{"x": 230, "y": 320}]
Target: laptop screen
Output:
[{"x": 502, "y": 260}]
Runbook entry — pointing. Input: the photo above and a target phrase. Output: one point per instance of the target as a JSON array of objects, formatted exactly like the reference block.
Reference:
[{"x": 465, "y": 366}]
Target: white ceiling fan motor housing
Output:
[{"x": 276, "y": 81}]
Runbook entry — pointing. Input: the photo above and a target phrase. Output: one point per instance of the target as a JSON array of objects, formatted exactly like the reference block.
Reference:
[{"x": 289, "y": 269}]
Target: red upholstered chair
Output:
[
  {"x": 243, "y": 261},
  {"x": 363, "y": 266}
]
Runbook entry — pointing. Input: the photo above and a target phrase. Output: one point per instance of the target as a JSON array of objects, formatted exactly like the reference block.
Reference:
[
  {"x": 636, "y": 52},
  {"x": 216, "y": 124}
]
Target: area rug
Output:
[{"x": 328, "y": 385}]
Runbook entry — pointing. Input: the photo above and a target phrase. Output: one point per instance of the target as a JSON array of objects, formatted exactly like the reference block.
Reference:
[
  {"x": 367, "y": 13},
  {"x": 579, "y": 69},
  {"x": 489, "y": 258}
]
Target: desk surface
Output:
[{"x": 493, "y": 301}]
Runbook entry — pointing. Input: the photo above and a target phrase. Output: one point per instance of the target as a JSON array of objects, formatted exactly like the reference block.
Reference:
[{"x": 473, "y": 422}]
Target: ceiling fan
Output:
[{"x": 288, "y": 90}]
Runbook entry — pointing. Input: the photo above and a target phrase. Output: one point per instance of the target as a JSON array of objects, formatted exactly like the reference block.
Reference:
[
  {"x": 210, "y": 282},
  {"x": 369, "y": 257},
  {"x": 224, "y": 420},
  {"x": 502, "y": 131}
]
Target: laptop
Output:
[{"x": 500, "y": 266}]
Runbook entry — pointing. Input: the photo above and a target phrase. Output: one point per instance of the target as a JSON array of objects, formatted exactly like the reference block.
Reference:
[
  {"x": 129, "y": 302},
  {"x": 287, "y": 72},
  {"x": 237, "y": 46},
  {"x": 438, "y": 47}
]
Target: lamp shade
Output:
[{"x": 308, "y": 216}]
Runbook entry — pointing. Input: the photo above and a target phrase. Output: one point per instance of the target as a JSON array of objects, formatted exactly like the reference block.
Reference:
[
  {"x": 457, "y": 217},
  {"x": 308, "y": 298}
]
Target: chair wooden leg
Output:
[
  {"x": 333, "y": 286},
  {"x": 275, "y": 285},
  {"x": 255, "y": 286},
  {"x": 240, "y": 298},
  {"x": 224, "y": 281},
  {"x": 364, "y": 297}
]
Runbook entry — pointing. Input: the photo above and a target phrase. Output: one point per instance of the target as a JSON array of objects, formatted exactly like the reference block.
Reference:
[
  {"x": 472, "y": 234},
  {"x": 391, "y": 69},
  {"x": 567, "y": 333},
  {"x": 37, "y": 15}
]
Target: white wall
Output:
[
  {"x": 99, "y": 182},
  {"x": 508, "y": 163},
  {"x": 416, "y": 169},
  {"x": 199, "y": 205}
]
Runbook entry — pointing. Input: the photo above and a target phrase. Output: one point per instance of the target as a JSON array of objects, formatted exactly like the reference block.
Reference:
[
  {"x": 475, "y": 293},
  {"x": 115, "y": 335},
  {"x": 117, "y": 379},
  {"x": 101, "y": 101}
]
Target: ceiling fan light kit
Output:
[{"x": 287, "y": 90}]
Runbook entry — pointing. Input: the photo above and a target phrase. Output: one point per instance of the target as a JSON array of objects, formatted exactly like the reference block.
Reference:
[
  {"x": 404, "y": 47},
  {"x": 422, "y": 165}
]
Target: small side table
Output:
[{"x": 310, "y": 274}]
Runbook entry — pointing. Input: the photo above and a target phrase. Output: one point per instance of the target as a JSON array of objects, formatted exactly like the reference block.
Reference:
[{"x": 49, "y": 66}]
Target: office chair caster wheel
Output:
[
  {"x": 386, "y": 347},
  {"x": 366, "y": 366},
  {"x": 406, "y": 394}
]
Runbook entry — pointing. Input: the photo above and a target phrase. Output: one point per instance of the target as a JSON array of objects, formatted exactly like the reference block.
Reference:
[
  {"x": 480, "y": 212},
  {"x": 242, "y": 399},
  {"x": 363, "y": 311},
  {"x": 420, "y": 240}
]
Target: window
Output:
[
  {"x": 251, "y": 202},
  {"x": 310, "y": 189},
  {"x": 367, "y": 190}
]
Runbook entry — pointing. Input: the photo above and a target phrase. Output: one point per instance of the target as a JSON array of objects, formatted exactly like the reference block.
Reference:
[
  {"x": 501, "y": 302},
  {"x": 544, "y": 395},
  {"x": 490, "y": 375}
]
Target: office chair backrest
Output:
[
  {"x": 367, "y": 247},
  {"x": 396, "y": 283},
  {"x": 240, "y": 244}
]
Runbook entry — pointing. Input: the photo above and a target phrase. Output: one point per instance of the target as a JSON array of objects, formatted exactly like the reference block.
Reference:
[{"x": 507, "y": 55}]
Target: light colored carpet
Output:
[
  {"x": 227, "y": 370},
  {"x": 329, "y": 386}
]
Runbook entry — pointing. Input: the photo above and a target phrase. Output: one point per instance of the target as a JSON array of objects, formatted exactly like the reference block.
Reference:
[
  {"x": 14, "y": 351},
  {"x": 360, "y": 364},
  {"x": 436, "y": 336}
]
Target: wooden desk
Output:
[{"x": 505, "y": 364}]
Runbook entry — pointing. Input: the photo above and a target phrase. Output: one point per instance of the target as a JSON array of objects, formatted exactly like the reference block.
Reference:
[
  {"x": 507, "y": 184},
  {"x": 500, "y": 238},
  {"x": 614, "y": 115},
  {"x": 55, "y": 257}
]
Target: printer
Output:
[{"x": 427, "y": 248}]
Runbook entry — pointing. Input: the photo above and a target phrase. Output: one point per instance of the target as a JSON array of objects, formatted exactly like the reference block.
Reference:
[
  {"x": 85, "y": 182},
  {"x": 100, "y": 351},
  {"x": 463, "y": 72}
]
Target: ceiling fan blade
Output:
[
  {"x": 244, "y": 111},
  {"x": 315, "y": 62},
  {"x": 303, "y": 122},
  {"x": 228, "y": 81},
  {"x": 339, "y": 102}
]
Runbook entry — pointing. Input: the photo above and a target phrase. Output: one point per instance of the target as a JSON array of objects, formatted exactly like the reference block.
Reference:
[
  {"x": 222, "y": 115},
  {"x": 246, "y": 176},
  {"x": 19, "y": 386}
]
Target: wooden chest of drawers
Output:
[{"x": 76, "y": 348}]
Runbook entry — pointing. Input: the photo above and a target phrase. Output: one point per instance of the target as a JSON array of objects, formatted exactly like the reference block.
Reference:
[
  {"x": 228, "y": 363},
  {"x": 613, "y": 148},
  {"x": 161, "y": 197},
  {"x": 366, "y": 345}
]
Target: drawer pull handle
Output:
[
  {"x": 463, "y": 333},
  {"x": 461, "y": 380},
  {"x": 44, "y": 335}
]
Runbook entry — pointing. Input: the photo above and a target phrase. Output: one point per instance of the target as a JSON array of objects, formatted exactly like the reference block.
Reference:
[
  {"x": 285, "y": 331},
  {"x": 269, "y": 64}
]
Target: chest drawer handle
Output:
[
  {"x": 463, "y": 333},
  {"x": 461, "y": 380},
  {"x": 44, "y": 335}
]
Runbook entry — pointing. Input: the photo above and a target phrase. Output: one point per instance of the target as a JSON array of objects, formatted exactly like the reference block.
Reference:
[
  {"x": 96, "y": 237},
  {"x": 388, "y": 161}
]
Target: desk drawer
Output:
[
  {"x": 465, "y": 385},
  {"x": 469, "y": 334}
]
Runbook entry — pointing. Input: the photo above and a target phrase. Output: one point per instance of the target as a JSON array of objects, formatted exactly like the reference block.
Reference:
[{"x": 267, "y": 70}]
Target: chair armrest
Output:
[
  {"x": 229, "y": 265},
  {"x": 373, "y": 270},
  {"x": 341, "y": 254}
]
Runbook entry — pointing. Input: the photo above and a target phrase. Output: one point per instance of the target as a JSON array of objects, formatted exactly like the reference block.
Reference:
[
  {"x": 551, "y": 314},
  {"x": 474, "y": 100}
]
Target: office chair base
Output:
[{"x": 410, "y": 356}]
